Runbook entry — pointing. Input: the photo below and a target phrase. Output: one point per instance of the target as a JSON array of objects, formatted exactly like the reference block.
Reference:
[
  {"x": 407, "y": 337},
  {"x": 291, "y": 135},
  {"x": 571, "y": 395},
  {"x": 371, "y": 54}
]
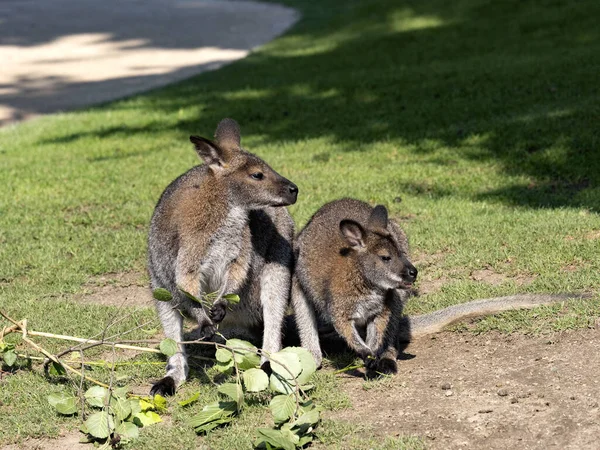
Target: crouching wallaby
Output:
[
  {"x": 352, "y": 272},
  {"x": 222, "y": 228}
]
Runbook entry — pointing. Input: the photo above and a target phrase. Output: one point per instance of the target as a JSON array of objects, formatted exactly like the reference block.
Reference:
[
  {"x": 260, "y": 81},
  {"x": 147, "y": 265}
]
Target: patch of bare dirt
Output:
[
  {"x": 430, "y": 286},
  {"x": 126, "y": 289},
  {"x": 488, "y": 276},
  {"x": 592, "y": 235},
  {"x": 490, "y": 391},
  {"x": 68, "y": 441}
]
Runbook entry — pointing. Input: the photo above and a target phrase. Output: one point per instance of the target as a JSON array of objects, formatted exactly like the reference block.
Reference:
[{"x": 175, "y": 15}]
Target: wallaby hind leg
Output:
[
  {"x": 381, "y": 335},
  {"x": 177, "y": 366},
  {"x": 306, "y": 322},
  {"x": 377, "y": 342},
  {"x": 274, "y": 293}
]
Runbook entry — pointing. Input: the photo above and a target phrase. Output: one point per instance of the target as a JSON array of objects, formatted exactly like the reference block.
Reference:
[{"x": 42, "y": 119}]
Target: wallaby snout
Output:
[{"x": 289, "y": 192}]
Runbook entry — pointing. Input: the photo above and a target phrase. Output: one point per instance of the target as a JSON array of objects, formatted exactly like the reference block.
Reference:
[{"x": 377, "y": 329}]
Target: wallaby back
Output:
[{"x": 219, "y": 228}]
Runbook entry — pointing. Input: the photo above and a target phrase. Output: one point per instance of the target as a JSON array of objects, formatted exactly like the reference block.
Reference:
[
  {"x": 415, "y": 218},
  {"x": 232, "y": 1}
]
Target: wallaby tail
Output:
[{"x": 436, "y": 321}]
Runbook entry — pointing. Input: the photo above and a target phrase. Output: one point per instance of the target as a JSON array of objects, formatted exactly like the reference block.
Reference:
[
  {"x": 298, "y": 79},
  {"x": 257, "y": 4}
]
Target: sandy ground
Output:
[
  {"x": 489, "y": 391},
  {"x": 65, "y": 54}
]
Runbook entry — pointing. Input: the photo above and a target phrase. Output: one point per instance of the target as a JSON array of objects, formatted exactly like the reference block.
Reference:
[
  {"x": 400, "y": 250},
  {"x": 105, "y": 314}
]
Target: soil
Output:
[
  {"x": 488, "y": 391},
  {"x": 126, "y": 289}
]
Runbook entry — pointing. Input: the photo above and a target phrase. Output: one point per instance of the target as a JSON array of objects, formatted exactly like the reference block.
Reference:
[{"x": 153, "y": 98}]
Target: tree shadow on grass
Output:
[{"x": 508, "y": 83}]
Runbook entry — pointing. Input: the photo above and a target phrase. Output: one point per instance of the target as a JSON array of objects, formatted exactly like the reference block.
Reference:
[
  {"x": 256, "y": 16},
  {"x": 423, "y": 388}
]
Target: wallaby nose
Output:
[
  {"x": 293, "y": 189},
  {"x": 411, "y": 272}
]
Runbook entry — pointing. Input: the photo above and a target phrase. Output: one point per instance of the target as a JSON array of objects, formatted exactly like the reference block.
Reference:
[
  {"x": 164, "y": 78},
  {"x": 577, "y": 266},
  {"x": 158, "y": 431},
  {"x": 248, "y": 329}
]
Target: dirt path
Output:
[
  {"x": 490, "y": 391},
  {"x": 65, "y": 54}
]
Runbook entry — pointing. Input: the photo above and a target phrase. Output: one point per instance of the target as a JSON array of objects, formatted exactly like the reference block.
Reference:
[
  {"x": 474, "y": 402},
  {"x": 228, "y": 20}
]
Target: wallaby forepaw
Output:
[
  {"x": 165, "y": 386},
  {"x": 387, "y": 366},
  {"x": 217, "y": 312},
  {"x": 207, "y": 331}
]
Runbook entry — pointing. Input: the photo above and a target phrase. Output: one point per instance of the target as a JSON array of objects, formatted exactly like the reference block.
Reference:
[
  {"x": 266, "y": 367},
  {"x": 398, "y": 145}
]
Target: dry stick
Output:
[{"x": 56, "y": 360}]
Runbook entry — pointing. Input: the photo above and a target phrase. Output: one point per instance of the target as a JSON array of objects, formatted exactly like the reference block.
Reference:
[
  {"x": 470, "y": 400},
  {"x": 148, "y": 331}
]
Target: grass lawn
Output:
[{"x": 476, "y": 122}]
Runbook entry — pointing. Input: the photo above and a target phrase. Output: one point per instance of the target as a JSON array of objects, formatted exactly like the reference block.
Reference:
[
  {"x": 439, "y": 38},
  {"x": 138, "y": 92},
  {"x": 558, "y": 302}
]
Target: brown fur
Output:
[{"x": 341, "y": 279}]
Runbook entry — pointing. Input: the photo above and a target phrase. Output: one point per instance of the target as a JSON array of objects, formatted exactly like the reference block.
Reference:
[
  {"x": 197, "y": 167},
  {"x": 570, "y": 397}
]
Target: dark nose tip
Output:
[
  {"x": 293, "y": 188},
  {"x": 412, "y": 272}
]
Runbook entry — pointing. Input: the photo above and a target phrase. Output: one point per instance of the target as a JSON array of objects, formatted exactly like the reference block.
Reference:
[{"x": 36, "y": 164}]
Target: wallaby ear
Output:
[
  {"x": 378, "y": 218},
  {"x": 228, "y": 134},
  {"x": 211, "y": 153},
  {"x": 353, "y": 233}
]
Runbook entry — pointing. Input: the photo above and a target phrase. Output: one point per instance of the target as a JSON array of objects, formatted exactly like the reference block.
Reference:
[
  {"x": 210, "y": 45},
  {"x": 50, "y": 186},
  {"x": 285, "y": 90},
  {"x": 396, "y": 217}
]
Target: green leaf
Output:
[
  {"x": 248, "y": 361},
  {"x": 63, "y": 403},
  {"x": 96, "y": 396},
  {"x": 143, "y": 419},
  {"x": 162, "y": 295},
  {"x": 283, "y": 407},
  {"x": 233, "y": 391},
  {"x": 57, "y": 370},
  {"x": 121, "y": 407},
  {"x": 135, "y": 406},
  {"x": 100, "y": 424},
  {"x": 146, "y": 404},
  {"x": 244, "y": 353},
  {"x": 279, "y": 384},
  {"x": 223, "y": 355},
  {"x": 275, "y": 438},
  {"x": 306, "y": 361},
  {"x": 10, "y": 357},
  {"x": 311, "y": 418},
  {"x": 304, "y": 440},
  {"x": 291, "y": 361},
  {"x": 128, "y": 430},
  {"x": 190, "y": 400},
  {"x": 120, "y": 392},
  {"x": 255, "y": 380},
  {"x": 213, "y": 411},
  {"x": 241, "y": 347},
  {"x": 168, "y": 347},
  {"x": 160, "y": 403},
  {"x": 209, "y": 426},
  {"x": 190, "y": 296},
  {"x": 56, "y": 397},
  {"x": 224, "y": 368},
  {"x": 234, "y": 299}
]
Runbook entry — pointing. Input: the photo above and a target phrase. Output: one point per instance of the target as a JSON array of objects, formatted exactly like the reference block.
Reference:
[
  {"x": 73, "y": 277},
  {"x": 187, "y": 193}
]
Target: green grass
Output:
[{"x": 476, "y": 122}]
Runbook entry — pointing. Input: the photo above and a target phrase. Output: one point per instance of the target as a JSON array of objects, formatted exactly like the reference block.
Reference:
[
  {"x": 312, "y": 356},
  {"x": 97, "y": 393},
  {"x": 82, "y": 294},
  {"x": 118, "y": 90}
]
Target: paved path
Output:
[{"x": 63, "y": 54}]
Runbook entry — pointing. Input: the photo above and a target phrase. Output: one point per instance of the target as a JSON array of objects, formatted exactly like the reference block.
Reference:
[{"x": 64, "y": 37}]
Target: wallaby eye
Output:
[
  {"x": 257, "y": 176},
  {"x": 386, "y": 258}
]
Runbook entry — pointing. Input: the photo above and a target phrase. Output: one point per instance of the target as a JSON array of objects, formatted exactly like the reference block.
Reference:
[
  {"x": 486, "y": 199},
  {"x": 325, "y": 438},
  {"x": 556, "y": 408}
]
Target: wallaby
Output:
[
  {"x": 353, "y": 273},
  {"x": 222, "y": 227}
]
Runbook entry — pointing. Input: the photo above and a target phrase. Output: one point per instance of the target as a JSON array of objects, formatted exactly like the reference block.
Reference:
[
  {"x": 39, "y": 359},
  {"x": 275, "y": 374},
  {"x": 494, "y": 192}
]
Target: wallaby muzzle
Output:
[{"x": 289, "y": 193}]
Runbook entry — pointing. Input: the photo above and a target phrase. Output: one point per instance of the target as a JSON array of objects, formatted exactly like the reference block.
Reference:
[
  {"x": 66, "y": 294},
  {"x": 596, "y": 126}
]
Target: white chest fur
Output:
[
  {"x": 369, "y": 307},
  {"x": 224, "y": 248}
]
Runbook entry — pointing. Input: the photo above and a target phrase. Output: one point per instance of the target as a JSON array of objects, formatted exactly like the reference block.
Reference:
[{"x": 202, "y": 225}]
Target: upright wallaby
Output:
[
  {"x": 222, "y": 227},
  {"x": 352, "y": 271}
]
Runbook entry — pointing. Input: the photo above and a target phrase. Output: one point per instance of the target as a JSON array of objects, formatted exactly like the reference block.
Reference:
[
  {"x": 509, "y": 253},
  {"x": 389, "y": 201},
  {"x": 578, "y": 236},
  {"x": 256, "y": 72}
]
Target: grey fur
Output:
[{"x": 219, "y": 228}]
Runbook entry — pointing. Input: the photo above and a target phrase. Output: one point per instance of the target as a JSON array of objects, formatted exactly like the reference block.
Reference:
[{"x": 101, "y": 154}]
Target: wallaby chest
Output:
[
  {"x": 367, "y": 308},
  {"x": 226, "y": 261}
]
